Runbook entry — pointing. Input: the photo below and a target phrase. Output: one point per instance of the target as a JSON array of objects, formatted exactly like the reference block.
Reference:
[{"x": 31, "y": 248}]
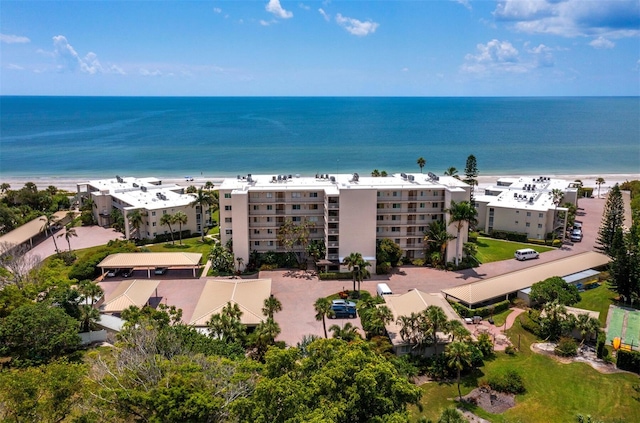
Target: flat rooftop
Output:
[
  {"x": 336, "y": 182},
  {"x": 529, "y": 193}
]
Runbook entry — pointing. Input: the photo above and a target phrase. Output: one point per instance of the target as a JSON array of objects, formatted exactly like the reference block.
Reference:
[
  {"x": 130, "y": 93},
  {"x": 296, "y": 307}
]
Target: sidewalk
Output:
[{"x": 497, "y": 333}]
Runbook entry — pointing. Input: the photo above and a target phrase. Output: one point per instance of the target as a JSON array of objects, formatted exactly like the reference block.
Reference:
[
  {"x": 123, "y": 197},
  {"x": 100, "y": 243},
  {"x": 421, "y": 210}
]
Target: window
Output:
[
  {"x": 268, "y": 219},
  {"x": 256, "y": 231},
  {"x": 296, "y": 195},
  {"x": 227, "y": 195},
  {"x": 295, "y": 207},
  {"x": 227, "y": 220},
  {"x": 422, "y": 217},
  {"x": 380, "y": 218},
  {"x": 227, "y": 208},
  {"x": 228, "y": 231},
  {"x": 313, "y": 218},
  {"x": 397, "y": 241},
  {"x": 269, "y": 207},
  {"x": 153, "y": 213},
  {"x": 528, "y": 214},
  {"x": 269, "y": 231},
  {"x": 153, "y": 224},
  {"x": 270, "y": 243},
  {"x": 528, "y": 225},
  {"x": 256, "y": 243},
  {"x": 540, "y": 215},
  {"x": 164, "y": 212},
  {"x": 379, "y": 194},
  {"x": 268, "y": 195},
  {"x": 434, "y": 217},
  {"x": 254, "y": 195},
  {"x": 296, "y": 219},
  {"x": 380, "y": 206},
  {"x": 313, "y": 207},
  {"x": 395, "y": 229},
  {"x": 423, "y": 205},
  {"x": 313, "y": 194},
  {"x": 378, "y": 230},
  {"x": 516, "y": 222},
  {"x": 256, "y": 220},
  {"x": 397, "y": 205},
  {"x": 395, "y": 193},
  {"x": 395, "y": 217},
  {"x": 434, "y": 205},
  {"x": 256, "y": 207},
  {"x": 422, "y": 228},
  {"x": 517, "y": 211},
  {"x": 539, "y": 225}
]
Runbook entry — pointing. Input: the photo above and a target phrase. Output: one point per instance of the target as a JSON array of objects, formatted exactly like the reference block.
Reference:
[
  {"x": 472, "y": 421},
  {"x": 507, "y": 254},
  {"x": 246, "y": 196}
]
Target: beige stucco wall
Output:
[
  {"x": 240, "y": 225},
  {"x": 358, "y": 223}
]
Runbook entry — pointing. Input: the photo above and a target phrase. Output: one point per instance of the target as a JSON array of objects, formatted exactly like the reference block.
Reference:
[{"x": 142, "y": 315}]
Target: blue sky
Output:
[{"x": 321, "y": 48}]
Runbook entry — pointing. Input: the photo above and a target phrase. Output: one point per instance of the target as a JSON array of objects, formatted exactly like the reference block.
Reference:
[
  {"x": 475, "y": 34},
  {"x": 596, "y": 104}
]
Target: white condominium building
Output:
[
  {"x": 524, "y": 205},
  {"x": 149, "y": 196},
  {"x": 349, "y": 212}
]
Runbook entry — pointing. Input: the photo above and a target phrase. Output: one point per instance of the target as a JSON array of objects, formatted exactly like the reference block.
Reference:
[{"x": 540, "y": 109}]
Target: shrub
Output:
[
  {"x": 485, "y": 345},
  {"x": 530, "y": 325},
  {"x": 567, "y": 347},
  {"x": 628, "y": 360},
  {"x": 383, "y": 268},
  {"x": 508, "y": 381},
  {"x": 510, "y": 350},
  {"x": 465, "y": 311},
  {"x": 334, "y": 276},
  {"x": 418, "y": 262},
  {"x": 509, "y": 236},
  {"x": 473, "y": 236},
  {"x": 601, "y": 351}
]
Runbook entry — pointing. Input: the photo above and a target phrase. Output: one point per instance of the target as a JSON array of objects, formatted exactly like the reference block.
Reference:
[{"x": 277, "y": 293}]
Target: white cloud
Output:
[
  {"x": 542, "y": 55},
  {"x": 69, "y": 60},
  {"x": 571, "y": 18},
  {"x": 601, "y": 43},
  {"x": 13, "y": 66},
  {"x": 356, "y": 27},
  {"x": 13, "y": 39},
  {"x": 267, "y": 23},
  {"x": 304, "y": 6},
  {"x": 324, "y": 15},
  {"x": 465, "y": 3},
  {"x": 274, "y": 7},
  {"x": 117, "y": 69},
  {"x": 495, "y": 56},
  {"x": 146, "y": 72},
  {"x": 217, "y": 10}
]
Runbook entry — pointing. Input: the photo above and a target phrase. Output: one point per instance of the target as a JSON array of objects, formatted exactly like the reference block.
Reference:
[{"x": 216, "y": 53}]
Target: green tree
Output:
[
  {"x": 322, "y": 307},
  {"x": 421, "y": 162},
  {"x": 471, "y": 173},
  {"x": 203, "y": 199},
  {"x": 437, "y": 321},
  {"x": 436, "y": 239},
  {"x": 452, "y": 171},
  {"x": 461, "y": 213},
  {"x": 181, "y": 219},
  {"x": 587, "y": 326},
  {"x": 348, "y": 333},
  {"x": 457, "y": 330},
  {"x": 554, "y": 289},
  {"x": 624, "y": 267},
  {"x": 208, "y": 185},
  {"x": 4, "y": 187},
  {"x": 135, "y": 220},
  {"x": 612, "y": 219},
  {"x": 271, "y": 306},
  {"x": 227, "y": 325},
  {"x": 49, "y": 220},
  {"x": 555, "y": 321},
  {"x": 599, "y": 182},
  {"x": 451, "y": 415},
  {"x": 556, "y": 197},
  {"x": 358, "y": 265},
  {"x": 167, "y": 220},
  {"x": 458, "y": 356},
  {"x": 262, "y": 338},
  {"x": 46, "y": 393},
  {"x": 37, "y": 333},
  {"x": 69, "y": 233},
  {"x": 375, "y": 173},
  {"x": 388, "y": 251},
  {"x": 294, "y": 237},
  {"x": 377, "y": 319}
]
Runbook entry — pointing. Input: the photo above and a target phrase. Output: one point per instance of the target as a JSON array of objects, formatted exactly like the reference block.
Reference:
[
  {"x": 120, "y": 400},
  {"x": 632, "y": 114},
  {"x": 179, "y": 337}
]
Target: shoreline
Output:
[{"x": 69, "y": 183}]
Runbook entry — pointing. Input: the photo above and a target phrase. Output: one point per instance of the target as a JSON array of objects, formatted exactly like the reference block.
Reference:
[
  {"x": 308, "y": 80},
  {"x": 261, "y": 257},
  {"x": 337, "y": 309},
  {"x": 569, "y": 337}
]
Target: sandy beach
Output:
[{"x": 70, "y": 183}]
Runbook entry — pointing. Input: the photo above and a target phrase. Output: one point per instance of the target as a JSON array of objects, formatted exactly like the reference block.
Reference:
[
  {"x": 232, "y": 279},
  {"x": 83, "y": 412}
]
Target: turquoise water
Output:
[{"x": 104, "y": 136}]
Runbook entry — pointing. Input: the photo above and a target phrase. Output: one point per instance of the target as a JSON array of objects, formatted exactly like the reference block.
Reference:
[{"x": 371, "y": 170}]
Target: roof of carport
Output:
[
  {"x": 149, "y": 260},
  {"x": 129, "y": 293},
  {"x": 488, "y": 289}
]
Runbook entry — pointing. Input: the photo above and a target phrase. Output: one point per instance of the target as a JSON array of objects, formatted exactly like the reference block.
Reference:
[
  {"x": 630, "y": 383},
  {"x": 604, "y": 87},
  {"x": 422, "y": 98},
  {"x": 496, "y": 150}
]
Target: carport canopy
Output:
[{"x": 150, "y": 261}]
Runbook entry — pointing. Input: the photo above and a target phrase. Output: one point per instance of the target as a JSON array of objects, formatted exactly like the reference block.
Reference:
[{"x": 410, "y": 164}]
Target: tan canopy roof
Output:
[
  {"x": 30, "y": 229},
  {"x": 129, "y": 292},
  {"x": 149, "y": 260},
  {"x": 488, "y": 289},
  {"x": 414, "y": 301},
  {"x": 249, "y": 294}
]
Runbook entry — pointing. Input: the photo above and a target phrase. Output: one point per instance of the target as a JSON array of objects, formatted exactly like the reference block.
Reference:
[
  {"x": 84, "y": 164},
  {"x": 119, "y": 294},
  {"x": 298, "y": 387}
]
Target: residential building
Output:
[
  {"x": 348, "y": 212},
  {"x": 524, "y": 205},
  {"x": 149, "y": 195}
]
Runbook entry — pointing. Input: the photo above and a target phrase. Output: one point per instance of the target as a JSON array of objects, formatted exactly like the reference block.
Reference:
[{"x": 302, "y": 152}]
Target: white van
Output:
[
  {"x": 383, "y": 289},
  {"x": 526, "y": 254}
]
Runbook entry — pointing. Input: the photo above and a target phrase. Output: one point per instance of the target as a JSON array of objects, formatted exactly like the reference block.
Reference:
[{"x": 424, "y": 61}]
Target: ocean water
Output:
[{"x": 179, "y": 136}]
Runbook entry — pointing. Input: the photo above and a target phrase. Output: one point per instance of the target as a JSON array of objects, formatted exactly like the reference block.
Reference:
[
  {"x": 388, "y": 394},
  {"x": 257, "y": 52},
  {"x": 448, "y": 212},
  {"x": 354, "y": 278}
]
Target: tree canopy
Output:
[{"x": 552, "y": 289}]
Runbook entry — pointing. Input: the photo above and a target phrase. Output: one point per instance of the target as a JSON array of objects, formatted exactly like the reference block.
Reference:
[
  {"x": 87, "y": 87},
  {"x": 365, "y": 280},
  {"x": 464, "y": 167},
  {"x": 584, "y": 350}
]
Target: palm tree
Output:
[
  {"x": 347, "y": 333},
  {"x": 359, "y": 265},
  {"x": 88, "y": 316},
  {"x": 379, "y": 318},
  {"x": 90, "y": 291},
  {"x": 457, "y": 330},
  {"x": 458, "y": 356},
  {"x": 272, "y": 305},
  {"x": 323, "y": 309},
  {"x": 437, "y": 321},
  {"x": 180, "y": 218},
  {"x": 375, "y": 173},
  {"x": 4, "y": 187},
  {"x": 421, "y": 162},
  {"x": 461, "y": 213},
  {"x": 167, "y": 220},
  {"x": 587, "y": 325},
  {"x": 437, "y": 236},
  {"x": 69, "y": 233},
  {"x": 227, "y": 325},
  {"x": 556, "y": 196},
  {"x": 208, "y": 185},
  {"x": 202, "y": 199},
  {"x": 451, "y": 415},
  {"x": 135, "y": 220},
  {"x": 49, "y": 219},
  {"x": 452, "y": 171},
  {"x": 262, "y": 337},
  {"x": 599, "y": 182}
]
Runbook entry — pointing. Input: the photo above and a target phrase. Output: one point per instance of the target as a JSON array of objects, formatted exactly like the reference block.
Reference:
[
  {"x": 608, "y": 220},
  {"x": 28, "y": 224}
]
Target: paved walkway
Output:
[{"x": 498, "y": 333}]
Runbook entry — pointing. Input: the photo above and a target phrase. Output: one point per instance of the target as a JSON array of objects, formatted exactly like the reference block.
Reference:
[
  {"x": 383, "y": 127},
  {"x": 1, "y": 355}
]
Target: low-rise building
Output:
[
  {"x": 524, "y": 205},
  {"x": 149, "y": 195},
  {"x": 348, "y": 212}
]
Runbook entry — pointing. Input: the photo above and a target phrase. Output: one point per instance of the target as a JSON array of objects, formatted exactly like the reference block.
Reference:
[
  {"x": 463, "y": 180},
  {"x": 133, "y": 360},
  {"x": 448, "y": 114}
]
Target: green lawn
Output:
[
  {"x": 500, "y": 318},
  {"x": 490, "y": 249},
  {"x": 597, "y": 299},
  {"x": 555, "y": 392},
  {"x": 190, "y": 245}
]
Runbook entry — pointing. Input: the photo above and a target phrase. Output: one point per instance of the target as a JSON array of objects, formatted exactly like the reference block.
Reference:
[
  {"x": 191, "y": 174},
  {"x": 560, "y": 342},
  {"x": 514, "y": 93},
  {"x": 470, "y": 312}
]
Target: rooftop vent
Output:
[
  {"x": 135, "y": 185},
  {"x": 356, "y": 177},
  {"x": 119, "y": 179},
  {"x": 412, "y": 178},
  {"x": 404, "y": 175},
  {"x": 333, "y": 179},
  {"x": 143, "y": 188}
]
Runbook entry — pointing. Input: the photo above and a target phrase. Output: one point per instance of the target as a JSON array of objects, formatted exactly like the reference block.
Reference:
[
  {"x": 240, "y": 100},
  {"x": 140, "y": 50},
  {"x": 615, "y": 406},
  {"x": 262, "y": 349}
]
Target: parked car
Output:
[
  {"x": 160, "y": 270},
  {"x": 343, "y": 308},
  {"x": 526, "y": 254},
  {"x": 112, "y": 273},
  {"x": 127, "y": 273},
  {"x": 576, "y": 235}
]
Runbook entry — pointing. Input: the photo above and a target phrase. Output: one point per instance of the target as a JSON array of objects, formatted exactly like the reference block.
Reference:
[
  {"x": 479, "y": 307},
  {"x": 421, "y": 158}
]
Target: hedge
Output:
[
  {"x": 481, "y": 311},
  {"x": 334, "y": 276},
  {"x": 628, "y": 360},
  {"x": 601, "y": 351},
  {"x": 509, "y": 236}
]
